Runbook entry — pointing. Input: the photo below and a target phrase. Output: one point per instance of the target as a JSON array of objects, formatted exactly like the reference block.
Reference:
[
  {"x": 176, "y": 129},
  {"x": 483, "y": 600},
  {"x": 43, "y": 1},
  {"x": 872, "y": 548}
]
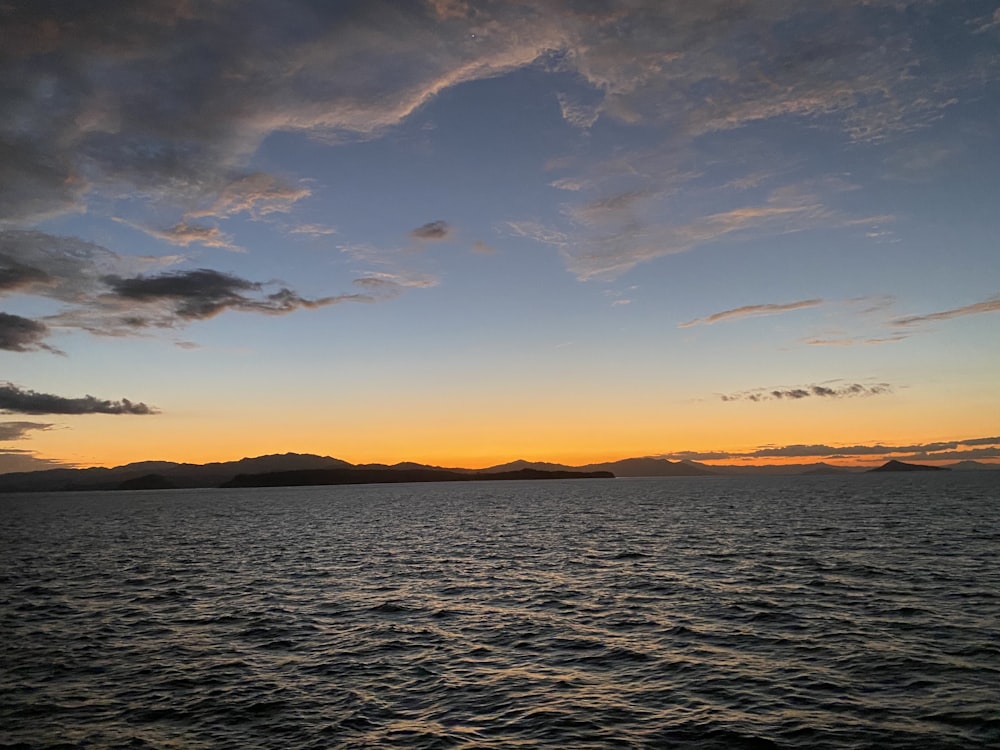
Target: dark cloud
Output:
[
  {"x": 434, "y": 230},
  {"x": 203, "y": 293},
  {"x": 19, "y": 334},
  {"x": 19, "y": 430},
  {"x": 195, "y": 294},
  {"x": 850, "y": 390},
  {"x": 15, "y": 400},
  {"x": 14, "y": 275}
]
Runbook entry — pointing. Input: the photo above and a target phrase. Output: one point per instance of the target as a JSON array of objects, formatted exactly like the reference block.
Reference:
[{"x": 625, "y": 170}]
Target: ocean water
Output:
[{"x": 790, "y": 612}]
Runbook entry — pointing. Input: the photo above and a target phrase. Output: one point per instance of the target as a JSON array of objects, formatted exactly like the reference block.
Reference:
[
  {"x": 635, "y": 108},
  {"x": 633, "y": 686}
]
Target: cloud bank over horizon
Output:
[{"x": 970, "y": 449}]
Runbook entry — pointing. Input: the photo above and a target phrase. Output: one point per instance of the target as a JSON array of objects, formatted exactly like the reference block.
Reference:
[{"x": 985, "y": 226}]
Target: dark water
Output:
[{"x": 821, "y": 612}]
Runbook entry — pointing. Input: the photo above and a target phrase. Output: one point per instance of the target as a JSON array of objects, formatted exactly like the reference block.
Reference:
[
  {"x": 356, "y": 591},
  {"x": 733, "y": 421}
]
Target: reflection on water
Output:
[{"x": 794, "y": 612}]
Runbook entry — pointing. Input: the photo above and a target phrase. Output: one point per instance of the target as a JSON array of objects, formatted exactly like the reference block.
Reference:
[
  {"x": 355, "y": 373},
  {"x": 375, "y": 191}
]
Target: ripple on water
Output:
[{"x": 758, "y": 613}]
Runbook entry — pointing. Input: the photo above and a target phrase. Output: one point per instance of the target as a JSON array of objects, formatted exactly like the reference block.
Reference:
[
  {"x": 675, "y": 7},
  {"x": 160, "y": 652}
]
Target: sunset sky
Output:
[{"x": 465, "y": 232}]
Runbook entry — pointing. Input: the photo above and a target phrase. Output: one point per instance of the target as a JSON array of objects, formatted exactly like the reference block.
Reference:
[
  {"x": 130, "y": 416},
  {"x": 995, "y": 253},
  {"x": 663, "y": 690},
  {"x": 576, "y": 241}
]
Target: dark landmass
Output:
[
  {"x": 180, "y": 475},
  {"x": 389, "y": 475},
  {"x": 168, "y": 474},
  {"x": 973, "y": 466},
  {"x": 827, "y": 469},
  {"x": 900, "y": 466},
  {"x": 147, "y": 482},
  {"x": 627, "y": 467}
]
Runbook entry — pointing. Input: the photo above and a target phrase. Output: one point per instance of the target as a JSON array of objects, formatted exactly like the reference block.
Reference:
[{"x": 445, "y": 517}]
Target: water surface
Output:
[{"x": 791, "y": 612}]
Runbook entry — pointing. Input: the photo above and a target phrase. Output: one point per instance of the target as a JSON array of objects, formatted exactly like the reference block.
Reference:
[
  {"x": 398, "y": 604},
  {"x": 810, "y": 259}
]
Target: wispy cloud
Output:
[
  {"x": 537, "y": 231},
  {"x": 610, "y": 235},
  {"x": 579, "y": 114},
  {"x": 16, "y": 400},
  {"x": 977, "y": 308},
  {"x": 184, "y": 234},
  {"x": 313, "y": 230},
  {"x": 257, "y": 194},
  {"x": 750, "y": 311},
  {"x": 20, "y": 430},
  {"x": 796, "y": 393}
]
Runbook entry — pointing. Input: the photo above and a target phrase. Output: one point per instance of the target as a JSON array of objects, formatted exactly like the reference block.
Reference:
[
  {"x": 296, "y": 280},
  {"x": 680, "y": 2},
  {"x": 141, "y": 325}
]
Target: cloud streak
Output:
[
  {"x": 978, "y": 308},
  {"x": 953, "y": 450},
  {"x": 798, "y": 393},
  {"x": 750, "y": 311},
  {"x": 16, "y": 400}
]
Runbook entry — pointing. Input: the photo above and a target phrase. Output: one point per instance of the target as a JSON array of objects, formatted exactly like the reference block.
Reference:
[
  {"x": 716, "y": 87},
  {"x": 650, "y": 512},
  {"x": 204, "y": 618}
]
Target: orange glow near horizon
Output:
[{"x": 581, "y": 444}]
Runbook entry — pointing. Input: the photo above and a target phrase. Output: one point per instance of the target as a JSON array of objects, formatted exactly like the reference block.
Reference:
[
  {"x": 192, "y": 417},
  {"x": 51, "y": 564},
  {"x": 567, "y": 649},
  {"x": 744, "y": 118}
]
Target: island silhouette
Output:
[
  {"x": 297, "y": 469},
  {"x": 900, "y": 466}
]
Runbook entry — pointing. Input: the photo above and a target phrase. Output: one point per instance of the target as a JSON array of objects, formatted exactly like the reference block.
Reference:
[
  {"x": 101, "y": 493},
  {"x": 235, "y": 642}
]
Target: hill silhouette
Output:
[
  {"x": 165, "y": 474},
  {"x": 900, "y": 466}
]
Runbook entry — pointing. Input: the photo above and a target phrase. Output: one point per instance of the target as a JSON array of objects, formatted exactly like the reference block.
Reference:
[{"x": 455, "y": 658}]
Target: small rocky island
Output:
[{"x": 900, "y": 466}]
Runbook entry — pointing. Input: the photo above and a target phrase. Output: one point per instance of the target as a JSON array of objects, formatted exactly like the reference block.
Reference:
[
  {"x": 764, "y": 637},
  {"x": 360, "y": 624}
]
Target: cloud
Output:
[
  {"x": 434, "y": 230},
  {"x": 851, "y": 390},
  {"x": 749, "y": 311},
  {"x": 184, "y": 234},
  {"x": 177, "y": 104},
  {"x": 15, "y": 400},
  {"x": 256, "y": 194},
  {"x": 817, "y": 341},
  {"x": 482, "y": 248},
  {"x": 14, "y": 276},
  {"x": 978, "y": 308},
  {"x": 204, "y": 293},
  {"x": 170, "y": 114},
  {"x": 578, "y": 114},
  {"x": 313, "y": 230},
  {"x": 12, "y": 460},
  {"x": 67, "y": 269},
  {"x": 619, "y": 230},
  {"x": 172, "y": 108},
  {"x": 108, "y": 294},
  {"x": 534, "y": 230},
  {"x": 954, "y": 450},
  {"x": 19, "y": 334},
  {"x": 21, "y": 430}
]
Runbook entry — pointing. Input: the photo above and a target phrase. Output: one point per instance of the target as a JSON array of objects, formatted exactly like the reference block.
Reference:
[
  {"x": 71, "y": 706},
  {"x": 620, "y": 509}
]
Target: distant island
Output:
[
  {"x": 297, "y": 469},
  {"x": 900, "y": 466}
]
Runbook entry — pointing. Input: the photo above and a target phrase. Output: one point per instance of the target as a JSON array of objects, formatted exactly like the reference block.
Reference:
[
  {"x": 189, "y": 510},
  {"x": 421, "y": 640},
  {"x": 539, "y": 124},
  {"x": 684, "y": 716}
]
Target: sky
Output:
[{"x": 463, "y": 232}]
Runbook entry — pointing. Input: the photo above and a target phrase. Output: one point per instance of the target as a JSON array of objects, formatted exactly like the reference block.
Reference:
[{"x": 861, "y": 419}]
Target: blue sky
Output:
[{"x": 466, "y": 232}]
